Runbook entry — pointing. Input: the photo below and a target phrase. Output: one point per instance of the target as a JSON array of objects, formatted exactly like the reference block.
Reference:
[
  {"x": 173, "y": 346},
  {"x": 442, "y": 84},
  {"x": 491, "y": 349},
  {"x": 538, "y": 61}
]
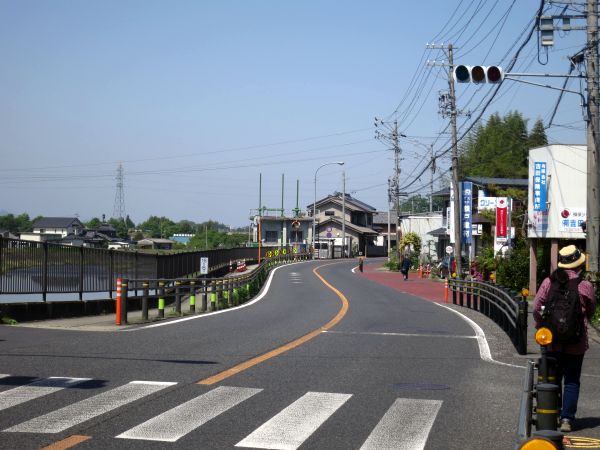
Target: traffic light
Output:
[{"x": 478, "y": 74}]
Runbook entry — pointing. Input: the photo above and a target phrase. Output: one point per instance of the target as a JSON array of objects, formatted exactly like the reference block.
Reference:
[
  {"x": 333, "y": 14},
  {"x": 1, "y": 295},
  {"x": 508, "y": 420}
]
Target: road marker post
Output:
[
  {"x": 146, "y": 293},
  {"x": 118, "y": 303},
  {"x": 124, "y": 291},
  {"x": 446, "y": 290},
  {"x": 204, "y": 306},
  {"x": 192, "y": 296},
  {"x": 161, "y": 299},
  {"x": 178, "y": 297}
]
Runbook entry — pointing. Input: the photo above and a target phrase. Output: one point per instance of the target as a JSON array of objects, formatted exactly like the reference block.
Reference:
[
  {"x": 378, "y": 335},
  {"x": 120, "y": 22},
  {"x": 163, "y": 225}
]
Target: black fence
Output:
[
  {"x": 213, "y": 294},
  {"x": 45, "y": 268},
  {"x": 508, "y": 309}
]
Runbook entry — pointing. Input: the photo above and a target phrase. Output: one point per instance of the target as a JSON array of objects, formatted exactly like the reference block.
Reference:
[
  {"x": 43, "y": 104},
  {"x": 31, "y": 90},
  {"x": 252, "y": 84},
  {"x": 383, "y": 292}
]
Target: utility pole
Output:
[
  {"x": 456, "y": 204},
  {"x": 448, "y": 108},
  {"x": 396, "y": 180},
  {"x": 593, "y": 176},
  {"x": 389, "y": 232},
  {"x": 431, "y": 181},
  {"x": 343, "y": 213},
  {"x": 391, "y": 136}
]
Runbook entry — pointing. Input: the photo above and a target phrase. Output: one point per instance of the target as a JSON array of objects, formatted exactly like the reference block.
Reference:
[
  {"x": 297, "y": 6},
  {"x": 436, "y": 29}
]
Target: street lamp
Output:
[{"x": 340, "y": 163}]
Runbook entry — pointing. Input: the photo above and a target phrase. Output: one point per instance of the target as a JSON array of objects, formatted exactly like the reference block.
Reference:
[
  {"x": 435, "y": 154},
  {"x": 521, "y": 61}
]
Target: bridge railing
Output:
[
  {"x": 203, "y": 294},
  {"x": 505, "y": 307},
  {"x": 47, "y": 268}
]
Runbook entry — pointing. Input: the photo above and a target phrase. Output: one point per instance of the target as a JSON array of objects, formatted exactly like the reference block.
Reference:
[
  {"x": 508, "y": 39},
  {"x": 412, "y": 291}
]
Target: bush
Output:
[
  {"x": 513, "y": 271},
  {"x": 393, "y": 264}
]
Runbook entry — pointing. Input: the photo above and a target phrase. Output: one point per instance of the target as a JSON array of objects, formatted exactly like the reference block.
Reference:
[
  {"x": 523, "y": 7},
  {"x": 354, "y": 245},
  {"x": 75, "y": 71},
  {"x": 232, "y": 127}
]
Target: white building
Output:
[{"x": 557, "y": 199}]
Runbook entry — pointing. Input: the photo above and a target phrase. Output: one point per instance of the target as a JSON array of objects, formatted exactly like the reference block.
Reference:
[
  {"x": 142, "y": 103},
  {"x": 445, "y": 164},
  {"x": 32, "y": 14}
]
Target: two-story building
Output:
[
  {"x": 54, "y": 229},
  {"x": 336, "y": 216}
]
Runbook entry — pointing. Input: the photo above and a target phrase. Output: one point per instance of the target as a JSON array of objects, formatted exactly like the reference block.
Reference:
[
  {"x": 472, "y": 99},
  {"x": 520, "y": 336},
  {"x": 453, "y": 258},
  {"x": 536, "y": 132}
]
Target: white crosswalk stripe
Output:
[
  {"x": 292, "y": 426},
  {"x": 179, "y": 421},
  {"x": 69, "y": 416},
  {"x": 40, "y": 388},
  {"x": 405, "y": 426}
]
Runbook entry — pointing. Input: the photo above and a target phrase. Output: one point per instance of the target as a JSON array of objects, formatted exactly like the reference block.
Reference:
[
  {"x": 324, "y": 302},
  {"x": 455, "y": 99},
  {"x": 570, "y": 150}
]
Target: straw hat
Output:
[{"x": 570, "y": 257}]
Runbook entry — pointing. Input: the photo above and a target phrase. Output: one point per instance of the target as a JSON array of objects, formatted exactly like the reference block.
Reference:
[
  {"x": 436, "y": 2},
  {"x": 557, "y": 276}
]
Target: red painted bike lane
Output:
[{"x": 425, "y": 288}]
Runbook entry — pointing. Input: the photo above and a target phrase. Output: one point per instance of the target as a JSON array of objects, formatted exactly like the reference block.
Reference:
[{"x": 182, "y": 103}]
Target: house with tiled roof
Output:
[
  {"x": 54, "y": 229},
  {"x": 335, "y": 214}
]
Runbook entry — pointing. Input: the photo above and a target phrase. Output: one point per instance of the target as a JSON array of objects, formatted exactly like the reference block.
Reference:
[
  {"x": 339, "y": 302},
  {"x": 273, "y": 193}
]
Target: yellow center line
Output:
[
  {"x": 69, "y": 442},
  {"x": 284, "y": 348}
]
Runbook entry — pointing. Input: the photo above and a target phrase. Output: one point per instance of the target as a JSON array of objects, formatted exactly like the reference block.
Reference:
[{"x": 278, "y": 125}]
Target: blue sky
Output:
[{"x": 197, "y": 98}]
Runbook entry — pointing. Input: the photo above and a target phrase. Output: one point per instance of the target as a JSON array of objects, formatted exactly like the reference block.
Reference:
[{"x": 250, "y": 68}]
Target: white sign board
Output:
[
  {"x": 203, "y": 265},
  {"x": 561, "y": 213},
  {"x": 484, "y": 203}
]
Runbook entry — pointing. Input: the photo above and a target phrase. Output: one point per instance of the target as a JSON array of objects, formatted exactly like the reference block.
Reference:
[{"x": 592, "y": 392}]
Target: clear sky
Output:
[{"x": 197, "y": 98}]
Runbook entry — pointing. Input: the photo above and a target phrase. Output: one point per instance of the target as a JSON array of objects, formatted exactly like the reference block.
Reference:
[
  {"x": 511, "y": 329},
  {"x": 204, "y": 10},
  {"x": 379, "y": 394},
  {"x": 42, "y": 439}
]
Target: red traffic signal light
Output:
[{"x": 478, "y": 74}]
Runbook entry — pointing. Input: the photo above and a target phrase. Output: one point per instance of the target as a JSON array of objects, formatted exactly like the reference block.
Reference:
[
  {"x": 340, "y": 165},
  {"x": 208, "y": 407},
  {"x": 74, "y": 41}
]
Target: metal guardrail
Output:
[
  {"x": 214, "y": 293},
  {"x": 45, "y": 268},
  {"x": 526, "y": 406},
  {"x": 508, "y": 309}
]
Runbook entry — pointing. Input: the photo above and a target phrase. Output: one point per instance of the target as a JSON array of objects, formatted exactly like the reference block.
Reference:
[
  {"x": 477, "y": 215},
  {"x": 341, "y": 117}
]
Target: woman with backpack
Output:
[{"x": 564, "y": 302}]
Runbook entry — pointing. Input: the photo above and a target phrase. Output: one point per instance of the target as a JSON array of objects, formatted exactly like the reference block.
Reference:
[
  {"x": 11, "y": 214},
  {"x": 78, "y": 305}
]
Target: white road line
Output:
[
  {"x": 264, "y": 292},
  {"x": 427, "y": 335},
  {"x": 35, "y": 390},
  {"x": 292, "y": 426},
  {"x": 179, "y": 421},
  {"x": 405, "y": 426},
  {"x": 484, "y": 348},
  {"x": 69, "y": 416}
]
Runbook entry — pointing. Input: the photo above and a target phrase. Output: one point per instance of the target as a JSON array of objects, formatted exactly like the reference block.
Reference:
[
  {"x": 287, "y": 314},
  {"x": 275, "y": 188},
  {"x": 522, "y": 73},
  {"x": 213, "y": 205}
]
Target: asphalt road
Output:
[{"x": 332, "y": 363}]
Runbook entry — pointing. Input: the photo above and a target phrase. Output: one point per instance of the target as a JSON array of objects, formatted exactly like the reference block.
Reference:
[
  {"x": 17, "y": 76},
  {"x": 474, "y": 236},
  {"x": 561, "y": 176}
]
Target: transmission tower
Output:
[{"x": 119, "y": 208}]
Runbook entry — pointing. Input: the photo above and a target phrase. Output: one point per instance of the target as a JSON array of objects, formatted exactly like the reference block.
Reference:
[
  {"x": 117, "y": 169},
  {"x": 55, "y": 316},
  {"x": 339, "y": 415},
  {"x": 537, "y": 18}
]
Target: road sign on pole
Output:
[{"x": 203, "y": 265}]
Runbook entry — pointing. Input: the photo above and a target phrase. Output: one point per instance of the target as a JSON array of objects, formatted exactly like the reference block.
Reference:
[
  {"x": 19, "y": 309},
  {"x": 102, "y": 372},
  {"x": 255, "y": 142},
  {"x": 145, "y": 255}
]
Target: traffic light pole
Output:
[{"x": 456, "y": 201}]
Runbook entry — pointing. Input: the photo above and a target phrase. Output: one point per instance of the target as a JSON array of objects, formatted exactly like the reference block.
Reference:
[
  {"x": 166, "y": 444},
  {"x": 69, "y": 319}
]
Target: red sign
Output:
[{"x": 502, "y": 217}]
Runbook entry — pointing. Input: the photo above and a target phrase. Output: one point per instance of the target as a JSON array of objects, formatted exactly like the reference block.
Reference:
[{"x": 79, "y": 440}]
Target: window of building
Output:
[
  {"x": 296, "y": 236},
  {"x": 271, "y": 236}
]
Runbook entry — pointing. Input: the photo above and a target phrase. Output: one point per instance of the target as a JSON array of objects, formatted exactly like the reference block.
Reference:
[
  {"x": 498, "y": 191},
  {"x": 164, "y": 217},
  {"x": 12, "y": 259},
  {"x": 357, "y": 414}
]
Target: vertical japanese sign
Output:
[
  {"x": 203, "y": 265},
  {"x": 467, "y": 212},
  {"x": 502, "y": 217},
  {"x": 540, "y": 188}
]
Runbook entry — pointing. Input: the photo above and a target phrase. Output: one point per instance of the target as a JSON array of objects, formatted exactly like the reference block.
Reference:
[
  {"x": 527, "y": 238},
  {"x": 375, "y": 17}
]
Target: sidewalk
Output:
[
  {"x": 107, "y": 322},
  {"x": 433, "y": 290}
]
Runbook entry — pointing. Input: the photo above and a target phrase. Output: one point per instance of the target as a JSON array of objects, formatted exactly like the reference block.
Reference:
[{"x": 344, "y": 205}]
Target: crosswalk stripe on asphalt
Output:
[
  {"x": 69, "y": 416},
  {"x": 40, "y": 388},
  {"x": 405, "y": 425},
  {"x": 179, "y": 421},
  {"x": 292, "y": 426}
]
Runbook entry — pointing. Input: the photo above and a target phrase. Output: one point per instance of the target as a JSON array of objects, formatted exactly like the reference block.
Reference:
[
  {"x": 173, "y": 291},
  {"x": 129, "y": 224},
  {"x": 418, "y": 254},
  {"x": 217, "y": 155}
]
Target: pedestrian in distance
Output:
[
  {"x": 564, "y": 303},
  {"x": 405, "y": 266},
  {"x": 360, "y": 263}
]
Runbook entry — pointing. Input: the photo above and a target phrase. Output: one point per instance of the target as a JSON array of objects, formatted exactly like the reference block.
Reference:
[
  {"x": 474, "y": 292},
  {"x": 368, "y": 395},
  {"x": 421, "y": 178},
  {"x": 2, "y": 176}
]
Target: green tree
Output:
[
  {"x": 537, "y": 137},
  {"x": 129, "y": 222},
  {"x": 186, "y": 227},
  {"x": 158, "y": 227},
  {"x": 93, "y": 224},
  {"x": 119, "y": 226},
  {"x": 212, "y": 238},
  {"x": 15, "y": 224},
  {"x": 500, "y": 148}
]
